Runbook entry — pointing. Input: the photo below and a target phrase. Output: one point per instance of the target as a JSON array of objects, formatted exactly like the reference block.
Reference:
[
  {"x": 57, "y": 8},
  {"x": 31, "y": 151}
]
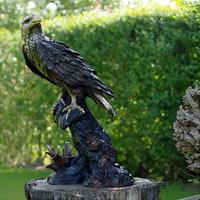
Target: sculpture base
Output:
[{"x": 143, "y": 189}]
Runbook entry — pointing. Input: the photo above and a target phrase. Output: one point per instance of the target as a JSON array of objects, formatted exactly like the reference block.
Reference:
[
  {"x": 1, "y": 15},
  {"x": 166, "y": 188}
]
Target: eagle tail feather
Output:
[{"x": 102, "y": 102}]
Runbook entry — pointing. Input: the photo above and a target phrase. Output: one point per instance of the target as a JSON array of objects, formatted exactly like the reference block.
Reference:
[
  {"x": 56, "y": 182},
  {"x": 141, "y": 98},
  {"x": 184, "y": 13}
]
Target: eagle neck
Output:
[{"x": 35, "y": 31}]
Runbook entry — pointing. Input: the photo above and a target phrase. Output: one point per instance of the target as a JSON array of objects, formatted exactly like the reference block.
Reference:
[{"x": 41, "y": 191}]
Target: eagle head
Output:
[{"x": 29, "y": 22}]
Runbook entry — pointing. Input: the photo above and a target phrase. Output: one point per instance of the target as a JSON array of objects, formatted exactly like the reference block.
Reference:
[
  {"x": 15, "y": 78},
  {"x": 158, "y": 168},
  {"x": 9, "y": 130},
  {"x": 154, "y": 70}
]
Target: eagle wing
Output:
[
  {"x": 32, "y": 67},
  {"x": 66, "y": 67}
]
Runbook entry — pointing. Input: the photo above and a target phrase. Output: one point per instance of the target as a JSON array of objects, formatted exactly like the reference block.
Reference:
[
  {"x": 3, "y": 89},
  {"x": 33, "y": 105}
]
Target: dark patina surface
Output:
[{"x": 95, "y": 165}]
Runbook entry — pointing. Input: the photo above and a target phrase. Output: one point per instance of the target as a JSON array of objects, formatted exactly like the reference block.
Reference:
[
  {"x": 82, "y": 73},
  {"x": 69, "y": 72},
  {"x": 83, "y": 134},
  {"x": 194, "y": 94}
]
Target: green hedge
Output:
[{"x": 147, "y": 57}]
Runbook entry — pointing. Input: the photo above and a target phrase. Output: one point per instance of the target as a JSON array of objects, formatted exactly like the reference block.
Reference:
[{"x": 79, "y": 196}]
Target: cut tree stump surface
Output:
[
  {"x": 143, "y": 189},
  {"x": 196, "y": 197}
]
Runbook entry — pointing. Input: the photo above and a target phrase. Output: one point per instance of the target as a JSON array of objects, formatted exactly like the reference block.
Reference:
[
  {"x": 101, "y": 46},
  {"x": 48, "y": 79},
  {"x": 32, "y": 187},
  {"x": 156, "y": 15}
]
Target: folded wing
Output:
[{"x": 65, "y": 66}]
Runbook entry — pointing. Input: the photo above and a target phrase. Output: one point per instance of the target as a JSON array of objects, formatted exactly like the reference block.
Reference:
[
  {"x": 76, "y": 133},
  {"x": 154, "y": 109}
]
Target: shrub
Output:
[{"x": 148, "y": 57}]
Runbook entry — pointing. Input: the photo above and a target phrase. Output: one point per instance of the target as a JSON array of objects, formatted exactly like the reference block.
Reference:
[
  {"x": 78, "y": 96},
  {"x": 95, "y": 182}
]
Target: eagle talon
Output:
[{"x": 69, "y": 108}]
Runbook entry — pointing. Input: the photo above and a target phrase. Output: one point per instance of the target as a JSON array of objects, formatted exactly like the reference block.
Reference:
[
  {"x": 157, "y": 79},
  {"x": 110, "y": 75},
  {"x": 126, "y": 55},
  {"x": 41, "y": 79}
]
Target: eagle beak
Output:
[{"x": 37, "y": 20}]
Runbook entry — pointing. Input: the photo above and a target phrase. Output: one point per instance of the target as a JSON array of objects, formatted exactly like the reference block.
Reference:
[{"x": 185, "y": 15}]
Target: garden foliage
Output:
[{"x": 147, "y": 56}]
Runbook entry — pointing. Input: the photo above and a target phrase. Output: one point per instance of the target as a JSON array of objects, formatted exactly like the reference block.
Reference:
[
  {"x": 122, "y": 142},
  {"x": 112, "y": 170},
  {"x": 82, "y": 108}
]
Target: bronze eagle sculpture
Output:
[{"x": 62, "y": 66}]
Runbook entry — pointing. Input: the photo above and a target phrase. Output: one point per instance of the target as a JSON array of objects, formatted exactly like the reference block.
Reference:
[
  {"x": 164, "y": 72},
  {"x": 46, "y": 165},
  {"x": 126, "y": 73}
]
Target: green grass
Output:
[
  {"x": 12, "y": 182},
  {"x": 12, "y": 185},
  {"x": 177, "y": 191}
]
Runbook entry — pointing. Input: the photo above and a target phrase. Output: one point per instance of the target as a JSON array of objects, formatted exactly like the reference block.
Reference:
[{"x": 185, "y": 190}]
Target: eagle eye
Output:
[{"x": 27, "y": 20}]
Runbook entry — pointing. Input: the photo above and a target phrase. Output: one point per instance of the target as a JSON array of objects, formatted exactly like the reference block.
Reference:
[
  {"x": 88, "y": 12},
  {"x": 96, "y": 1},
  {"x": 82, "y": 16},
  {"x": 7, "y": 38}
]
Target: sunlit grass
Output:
[
  {"x": 12, "y": 182},
  {"x": 176, "y": 191}
]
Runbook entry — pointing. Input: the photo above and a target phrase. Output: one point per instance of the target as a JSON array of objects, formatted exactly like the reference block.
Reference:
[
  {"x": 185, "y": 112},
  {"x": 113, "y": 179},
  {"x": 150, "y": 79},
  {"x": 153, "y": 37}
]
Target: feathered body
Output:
[{"x": 60, "y": 65}]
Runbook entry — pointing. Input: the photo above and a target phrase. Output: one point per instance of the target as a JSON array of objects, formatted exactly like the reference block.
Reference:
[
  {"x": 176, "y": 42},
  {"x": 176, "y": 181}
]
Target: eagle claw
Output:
[{"x": 71, "y": 107}]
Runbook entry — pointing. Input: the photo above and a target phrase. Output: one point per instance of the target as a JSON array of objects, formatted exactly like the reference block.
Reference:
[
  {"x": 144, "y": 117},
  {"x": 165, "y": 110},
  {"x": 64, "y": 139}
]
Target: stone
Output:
[
  {"x": 143, "y": 189},
  {"x": 196, "y": 197}
]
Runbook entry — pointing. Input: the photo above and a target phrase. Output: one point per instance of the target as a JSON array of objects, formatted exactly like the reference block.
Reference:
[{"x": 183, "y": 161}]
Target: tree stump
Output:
[
  {"x": 187, "y": 128},
  {"x": 143, "y": 189}
]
